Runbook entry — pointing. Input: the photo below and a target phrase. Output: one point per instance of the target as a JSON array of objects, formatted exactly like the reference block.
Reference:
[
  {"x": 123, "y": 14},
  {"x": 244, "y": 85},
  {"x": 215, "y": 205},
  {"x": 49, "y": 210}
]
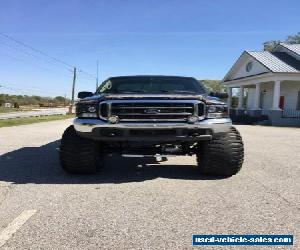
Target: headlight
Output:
[
  {"x": 86, "y": 110},
  {"x": 92, "y": 109},
  {"x": 217, "y": 111}
]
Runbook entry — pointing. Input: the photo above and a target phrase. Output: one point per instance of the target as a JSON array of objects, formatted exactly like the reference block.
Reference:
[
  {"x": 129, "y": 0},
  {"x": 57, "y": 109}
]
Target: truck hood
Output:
[
  {"x": 152, "y": 96},
  {"x": 104, "y": 97}
]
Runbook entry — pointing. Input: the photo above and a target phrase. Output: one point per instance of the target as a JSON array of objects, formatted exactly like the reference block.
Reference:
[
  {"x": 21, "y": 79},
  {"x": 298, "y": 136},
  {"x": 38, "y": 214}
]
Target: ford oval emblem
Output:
[{"x": 152, "y": 111}]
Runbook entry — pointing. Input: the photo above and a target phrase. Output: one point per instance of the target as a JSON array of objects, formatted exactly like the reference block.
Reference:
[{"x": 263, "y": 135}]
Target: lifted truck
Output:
[{"x": 151, "y": 116}]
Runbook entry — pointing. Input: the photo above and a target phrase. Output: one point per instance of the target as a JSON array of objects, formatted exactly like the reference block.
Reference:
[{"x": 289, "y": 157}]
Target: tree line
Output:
[
  {"x": 293, "y": 39},
  {"x": 23, "y": 100}
]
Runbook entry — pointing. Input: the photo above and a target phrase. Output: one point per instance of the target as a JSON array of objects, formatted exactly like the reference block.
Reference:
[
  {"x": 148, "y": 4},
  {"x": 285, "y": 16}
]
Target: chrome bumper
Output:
[{"x": 215, "y": 125}]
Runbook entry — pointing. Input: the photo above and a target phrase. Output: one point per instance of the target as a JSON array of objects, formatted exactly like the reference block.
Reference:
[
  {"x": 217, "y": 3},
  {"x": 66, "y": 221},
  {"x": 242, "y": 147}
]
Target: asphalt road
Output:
[
  {"x": 136, "y": 204},
  {"x": 37, "y": 112}
]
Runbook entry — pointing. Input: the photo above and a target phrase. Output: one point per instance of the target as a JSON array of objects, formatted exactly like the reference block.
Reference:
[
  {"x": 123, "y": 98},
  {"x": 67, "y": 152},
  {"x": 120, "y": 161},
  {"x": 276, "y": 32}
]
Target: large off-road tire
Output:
[
  {"x": 223, "y": 155},
  {"x": 79, "y": 155}
]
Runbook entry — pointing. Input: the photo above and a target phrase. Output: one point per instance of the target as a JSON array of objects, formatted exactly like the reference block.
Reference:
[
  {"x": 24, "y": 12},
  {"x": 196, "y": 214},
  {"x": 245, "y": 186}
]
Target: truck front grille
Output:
[{"x": 151, "y": 110}]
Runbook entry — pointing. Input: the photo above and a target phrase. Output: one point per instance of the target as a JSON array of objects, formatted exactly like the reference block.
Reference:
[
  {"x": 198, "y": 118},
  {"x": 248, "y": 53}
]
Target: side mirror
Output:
[
  {"x": 84, "y": 94},
  {"x": 221, "y": 95}
]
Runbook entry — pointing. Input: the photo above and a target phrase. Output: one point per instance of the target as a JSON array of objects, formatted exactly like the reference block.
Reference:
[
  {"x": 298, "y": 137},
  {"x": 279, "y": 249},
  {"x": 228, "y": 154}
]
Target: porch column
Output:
[
  {"x": 229, "y": 92},
  {"x": 276, "y": 95},
  {"x": 241, "y": 97},
  {"x": 257, "y": 96}
]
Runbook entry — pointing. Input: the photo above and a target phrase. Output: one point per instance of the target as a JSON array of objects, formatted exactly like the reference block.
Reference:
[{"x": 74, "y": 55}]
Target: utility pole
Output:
[
  {"x": 97, "y": 75},
  {"x": 73, "y": 91}
]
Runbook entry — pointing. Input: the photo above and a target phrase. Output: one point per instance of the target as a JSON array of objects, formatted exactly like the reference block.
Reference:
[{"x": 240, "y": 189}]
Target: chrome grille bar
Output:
[
  {"x": 152, "y": 110},
  {"x": 182, "y": 113},
  {"x": 147, "y": 107}
]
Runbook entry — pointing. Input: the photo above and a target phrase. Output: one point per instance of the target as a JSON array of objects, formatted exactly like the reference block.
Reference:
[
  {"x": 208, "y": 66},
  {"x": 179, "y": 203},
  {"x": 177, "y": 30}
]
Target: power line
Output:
[
  {"x": 20, "y": 90},
  {"x": 9, "y": 88},
  {"x": 70, "y": 67},
  {"x": 87, "y": 74},
  {"x": 36, "y": 50},
  {"x": 84, "y": 75},
  {"x": 39, "y": 66},
  {"x": 30, "y": 54}
]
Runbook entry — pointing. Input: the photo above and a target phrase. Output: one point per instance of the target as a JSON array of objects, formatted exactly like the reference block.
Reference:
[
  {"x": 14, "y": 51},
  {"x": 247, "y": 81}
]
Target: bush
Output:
[{"x": 32, "y": 100}]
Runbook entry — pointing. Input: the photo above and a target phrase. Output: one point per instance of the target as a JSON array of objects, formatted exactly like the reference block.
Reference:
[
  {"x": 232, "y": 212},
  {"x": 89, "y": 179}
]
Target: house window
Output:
[
  {"x": 249, "y": 66},
  {"x": 298, "y": 101}
]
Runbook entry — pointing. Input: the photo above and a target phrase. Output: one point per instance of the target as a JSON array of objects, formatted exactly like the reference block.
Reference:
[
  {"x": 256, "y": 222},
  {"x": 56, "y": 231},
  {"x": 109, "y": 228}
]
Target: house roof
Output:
[
  {"x": 278, "y": 62},
  {"x": 288, "y": 59},
  {"x": 283, "y": 59},
  {"x": 292, "y": 47}
]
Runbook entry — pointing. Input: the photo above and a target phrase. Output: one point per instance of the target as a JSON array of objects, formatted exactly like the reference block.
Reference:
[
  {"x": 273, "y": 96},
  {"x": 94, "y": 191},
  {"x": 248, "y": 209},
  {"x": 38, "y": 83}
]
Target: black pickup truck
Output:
[{"x": 142, "y": 116}]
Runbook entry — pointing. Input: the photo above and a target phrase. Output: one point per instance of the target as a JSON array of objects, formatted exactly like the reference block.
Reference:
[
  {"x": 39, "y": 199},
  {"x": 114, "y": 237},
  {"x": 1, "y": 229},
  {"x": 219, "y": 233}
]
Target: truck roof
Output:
[{"x": 150, "y": 76}]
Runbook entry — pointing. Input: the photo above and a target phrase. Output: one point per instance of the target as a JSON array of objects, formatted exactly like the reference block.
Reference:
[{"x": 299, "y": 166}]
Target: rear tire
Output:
[
  {"x": 223, "y": 155},
  {"x": 79, "y": 155}
]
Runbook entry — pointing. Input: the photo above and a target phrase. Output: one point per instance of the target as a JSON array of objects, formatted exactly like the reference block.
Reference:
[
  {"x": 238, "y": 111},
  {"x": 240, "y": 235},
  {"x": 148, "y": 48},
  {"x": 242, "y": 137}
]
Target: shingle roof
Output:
[
  {"x": 274, "y": 62},
  {"x": 292, "y": 47}
]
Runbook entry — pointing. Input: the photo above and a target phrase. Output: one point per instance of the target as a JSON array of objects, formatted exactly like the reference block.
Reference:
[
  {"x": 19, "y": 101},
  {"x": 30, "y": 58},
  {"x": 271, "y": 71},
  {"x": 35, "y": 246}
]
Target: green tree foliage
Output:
[
  {"x": 32, "y": 100},
  {"x": 16, "y": 105},
  {"x": 234, "y": 102},
  {"x": 270, "y": 45},
  {"x": 213, "y": 85},
  {"x": 60, "y": 99},
  {"x": 293, "y": 39}
]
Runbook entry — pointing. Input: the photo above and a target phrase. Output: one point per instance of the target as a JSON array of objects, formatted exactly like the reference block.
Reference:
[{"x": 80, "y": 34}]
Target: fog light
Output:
[
  {"x": 193, "y": 119},
  {"x": 113, "y": 119}
]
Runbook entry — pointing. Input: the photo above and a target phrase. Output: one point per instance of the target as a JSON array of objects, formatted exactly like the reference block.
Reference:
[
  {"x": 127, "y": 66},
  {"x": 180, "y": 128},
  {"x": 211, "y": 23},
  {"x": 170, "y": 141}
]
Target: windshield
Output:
[{"x": 148, "y": 85}]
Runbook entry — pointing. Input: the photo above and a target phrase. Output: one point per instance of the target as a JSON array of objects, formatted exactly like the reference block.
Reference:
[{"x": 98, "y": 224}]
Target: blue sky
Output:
[{"x": 199, "y": 38}]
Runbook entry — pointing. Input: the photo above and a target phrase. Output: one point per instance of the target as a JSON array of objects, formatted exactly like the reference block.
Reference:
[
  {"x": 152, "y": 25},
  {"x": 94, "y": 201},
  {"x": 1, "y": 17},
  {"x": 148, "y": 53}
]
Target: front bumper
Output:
[{"x": 91, "y": 128}]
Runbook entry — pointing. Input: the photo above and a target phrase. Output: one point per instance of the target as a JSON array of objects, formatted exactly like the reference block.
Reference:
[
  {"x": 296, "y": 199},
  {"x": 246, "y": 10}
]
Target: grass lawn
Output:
[{"x": 30, "y": 120}]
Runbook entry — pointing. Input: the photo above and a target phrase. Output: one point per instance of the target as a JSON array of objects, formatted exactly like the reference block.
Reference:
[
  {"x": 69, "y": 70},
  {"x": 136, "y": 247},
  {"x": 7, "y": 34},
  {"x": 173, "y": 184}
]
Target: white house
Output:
[
  {"x": 8, "y": 105},
  {"x": 271, "y": 81}
]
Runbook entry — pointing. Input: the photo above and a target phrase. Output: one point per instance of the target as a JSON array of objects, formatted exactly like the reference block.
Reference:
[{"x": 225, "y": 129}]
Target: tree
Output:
[
  {"x": 213, "y": 85},
  {"x": 293, "y": 39},
  {"x": 60, "y": 99},
  {"x": 32, "y": 100},
  {"x": 234, "y": 101},
  {"x": 38, "y": 98},
  {"x": 270, "y": 45}
]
